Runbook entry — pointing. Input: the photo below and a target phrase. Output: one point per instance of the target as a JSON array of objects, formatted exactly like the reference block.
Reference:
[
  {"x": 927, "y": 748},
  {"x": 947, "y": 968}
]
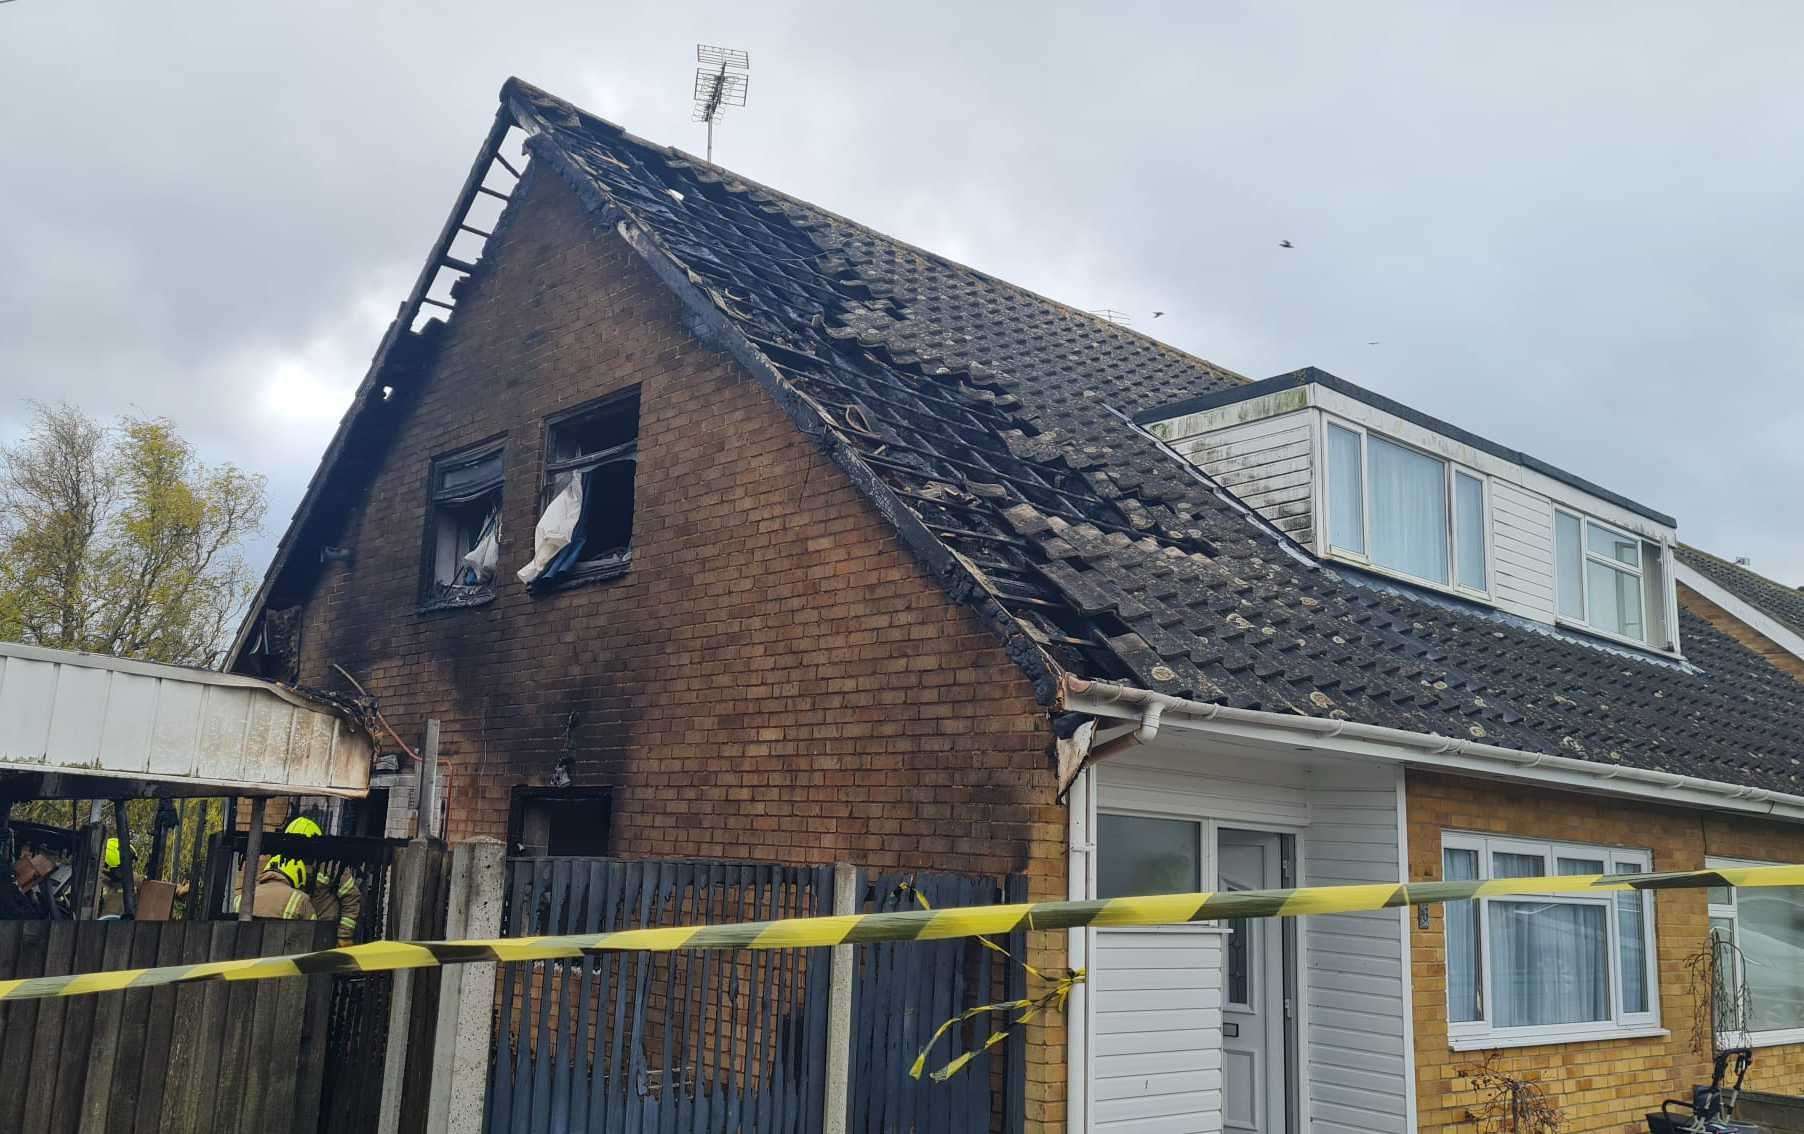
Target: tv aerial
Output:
[{"x": 720, "y": 82}]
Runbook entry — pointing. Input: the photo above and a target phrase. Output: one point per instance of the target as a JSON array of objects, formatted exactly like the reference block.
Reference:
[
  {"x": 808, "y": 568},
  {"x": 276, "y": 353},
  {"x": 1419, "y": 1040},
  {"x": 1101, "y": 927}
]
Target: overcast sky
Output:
[{"x": 1571, "y": 228}]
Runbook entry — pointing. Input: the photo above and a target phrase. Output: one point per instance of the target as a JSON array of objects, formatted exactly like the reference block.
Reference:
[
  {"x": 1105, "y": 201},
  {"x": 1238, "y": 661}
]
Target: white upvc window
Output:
[
  {"x": 1600, "y": 576},
  {"x": 1765, "y": 926},
  {"x": 1559, "y": 968},
  {"x": 1405, "y": 511}
]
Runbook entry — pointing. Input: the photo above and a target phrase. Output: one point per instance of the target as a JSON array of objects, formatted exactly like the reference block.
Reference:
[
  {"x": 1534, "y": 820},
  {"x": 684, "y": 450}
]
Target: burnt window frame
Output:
[
  {"x": 616, "y": 562},
  {"x": 435, "y": 595},
  {"x": 523, "y": 796}
]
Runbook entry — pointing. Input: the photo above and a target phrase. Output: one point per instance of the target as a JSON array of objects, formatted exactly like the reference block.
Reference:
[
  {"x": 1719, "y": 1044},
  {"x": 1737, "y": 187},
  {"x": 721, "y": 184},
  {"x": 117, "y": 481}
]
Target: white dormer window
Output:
[
  {"x": 1359, "y": 479},
  {"x": 1402, "y": 510},
  {"x": 1605, "y": 579}
]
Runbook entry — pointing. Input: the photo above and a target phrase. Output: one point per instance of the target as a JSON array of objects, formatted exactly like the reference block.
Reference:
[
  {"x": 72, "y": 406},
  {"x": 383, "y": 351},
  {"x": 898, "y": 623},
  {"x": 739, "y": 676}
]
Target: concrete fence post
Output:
[
  {"x": 839, "y": 1007},
  {"x": 405, "y": 885},
  {"x": 477, "y": 892}
]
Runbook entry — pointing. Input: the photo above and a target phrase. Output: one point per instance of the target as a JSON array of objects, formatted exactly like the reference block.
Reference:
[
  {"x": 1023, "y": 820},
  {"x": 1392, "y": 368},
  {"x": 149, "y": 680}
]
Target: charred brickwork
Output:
[{"x": 774, "y": 677}]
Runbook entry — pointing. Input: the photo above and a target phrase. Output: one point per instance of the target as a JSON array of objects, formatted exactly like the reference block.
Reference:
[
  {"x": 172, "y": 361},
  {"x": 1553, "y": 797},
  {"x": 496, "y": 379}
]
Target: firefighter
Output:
[
  {"x": 112, "y": 881},
  {"x": 335, "y": 893},
  {"x": 281, "y": 891}
]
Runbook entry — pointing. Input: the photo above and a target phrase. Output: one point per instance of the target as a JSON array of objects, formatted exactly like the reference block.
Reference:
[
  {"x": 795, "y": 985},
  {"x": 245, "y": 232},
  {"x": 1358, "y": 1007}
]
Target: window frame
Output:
[
  {"x": 1451, "y": 470},
  {"x": 1640, "y": 573},
  {"x": 1481, "y": 1033},
  {"x": 431, "y": 598},
  {"x": 1731, "y": 911},
  {"x": 604, "y": 566}
]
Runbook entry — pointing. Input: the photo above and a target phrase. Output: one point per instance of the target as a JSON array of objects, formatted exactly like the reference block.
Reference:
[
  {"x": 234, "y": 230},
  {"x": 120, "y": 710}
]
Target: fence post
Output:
[
  {"x": 466, "y": 1000},
  {"x": 839, "y": 1007},
  {"x": 405, "y": 894}
]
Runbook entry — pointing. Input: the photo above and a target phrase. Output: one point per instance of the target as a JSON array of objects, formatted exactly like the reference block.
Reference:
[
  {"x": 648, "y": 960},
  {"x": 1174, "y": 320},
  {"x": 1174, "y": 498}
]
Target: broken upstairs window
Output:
[
  {"x": 586, "y": 530},
  {"x": 464, "y": 534}
]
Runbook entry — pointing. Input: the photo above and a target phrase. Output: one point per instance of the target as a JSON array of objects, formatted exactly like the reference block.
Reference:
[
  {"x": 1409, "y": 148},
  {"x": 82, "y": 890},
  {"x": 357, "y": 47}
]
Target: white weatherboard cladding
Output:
[
  {"x": 1522, "y": 550},
  {"x": 85, "y": 714},
  {"x": 1268, "y": 464},
  {"x": 1353, "y": 1016},
  {"x": 1355, "y": 1068},
  {"x": 1155, "y": 1032}
]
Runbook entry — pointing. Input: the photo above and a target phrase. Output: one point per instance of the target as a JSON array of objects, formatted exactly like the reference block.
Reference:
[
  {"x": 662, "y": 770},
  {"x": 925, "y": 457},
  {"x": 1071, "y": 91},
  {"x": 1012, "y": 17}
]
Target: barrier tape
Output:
[
  {"x": 910, "y": 925},
  {"x": 1026, "y": 1008}
]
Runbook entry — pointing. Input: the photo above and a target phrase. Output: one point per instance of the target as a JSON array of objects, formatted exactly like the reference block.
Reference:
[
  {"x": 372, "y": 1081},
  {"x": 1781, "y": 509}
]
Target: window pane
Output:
[
  {"x": 1346, "y": 491},
  {"x": 1569, "y": 566},
  {"x": 1550, "y": 963},
  {"x": 1507, "y": 865},
  {"x": 1136, "y": 855},
  {"x": 1772, "y": 957},
  {"x": 1469, "y": 530},
  {"x": 1409, "y": 510},
  {"x": 1631, "y": 942},
  {"x": 1610, "y": 545},
  {"x": 1581, "y": 866},
  {"x": 1460, "y": 865},
  {"x": 1615, "y": 600}
]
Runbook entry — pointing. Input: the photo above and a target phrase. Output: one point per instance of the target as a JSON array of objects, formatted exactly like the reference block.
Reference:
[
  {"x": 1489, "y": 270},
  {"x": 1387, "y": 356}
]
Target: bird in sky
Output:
[
  {"x": 1156, "y": 314},
  {"x": 1285, "y": 244}
]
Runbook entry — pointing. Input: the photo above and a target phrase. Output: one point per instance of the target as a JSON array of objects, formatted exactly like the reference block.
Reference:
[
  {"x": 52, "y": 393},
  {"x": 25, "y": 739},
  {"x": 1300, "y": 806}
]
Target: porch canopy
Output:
[{"x": 89, "y": 726}]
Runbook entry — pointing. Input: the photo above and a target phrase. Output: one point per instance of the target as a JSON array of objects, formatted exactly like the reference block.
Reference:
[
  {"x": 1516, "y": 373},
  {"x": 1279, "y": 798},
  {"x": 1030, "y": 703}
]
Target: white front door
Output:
[{"x": 1253, "y": 1043}]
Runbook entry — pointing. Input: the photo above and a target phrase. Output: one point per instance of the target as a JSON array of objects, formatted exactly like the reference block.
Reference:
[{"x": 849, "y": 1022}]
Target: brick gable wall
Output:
[
  {"x": 775, "y": 677},
  {"x": 1599, "y": 1085}
]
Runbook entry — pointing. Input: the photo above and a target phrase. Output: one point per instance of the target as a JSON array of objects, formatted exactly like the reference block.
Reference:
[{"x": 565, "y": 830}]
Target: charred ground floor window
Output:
[
  {"x": 591, "y": 457},
  {"x": 463, "y": 531},
  {"x": 559, "y": 821}
]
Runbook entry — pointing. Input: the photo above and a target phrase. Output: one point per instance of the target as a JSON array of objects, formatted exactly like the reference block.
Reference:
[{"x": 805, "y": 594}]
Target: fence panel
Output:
[
  {"x": 902, "y": 991},
  {"x": 660, "y": 1042},
  {"x": 146, "y": 1061}
]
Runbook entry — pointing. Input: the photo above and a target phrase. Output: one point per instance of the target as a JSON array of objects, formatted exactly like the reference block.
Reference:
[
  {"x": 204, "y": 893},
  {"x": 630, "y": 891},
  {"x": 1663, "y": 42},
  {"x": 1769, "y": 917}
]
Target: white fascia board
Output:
[
  {"x": 1755, "y": 619},
  {"x": 1252, "y": 728}
]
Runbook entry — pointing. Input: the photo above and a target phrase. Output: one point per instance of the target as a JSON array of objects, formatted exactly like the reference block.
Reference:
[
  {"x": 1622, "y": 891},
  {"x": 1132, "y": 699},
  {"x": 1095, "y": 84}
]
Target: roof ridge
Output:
[
  {"x": 1743, "y": 568},
  {"x": 909, "y": 246}
]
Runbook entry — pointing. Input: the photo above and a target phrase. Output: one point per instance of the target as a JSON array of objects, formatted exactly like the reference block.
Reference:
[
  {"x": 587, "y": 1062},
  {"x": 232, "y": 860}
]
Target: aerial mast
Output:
[{"x": 720, "y": 81}]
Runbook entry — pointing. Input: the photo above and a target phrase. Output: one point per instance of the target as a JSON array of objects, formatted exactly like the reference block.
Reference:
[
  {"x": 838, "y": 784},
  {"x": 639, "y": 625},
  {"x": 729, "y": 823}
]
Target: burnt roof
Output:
[
  {"x": 1314, "y": 376},
  {"x": 994, "y": 428},
  {"x": 1783, "y": 604}
]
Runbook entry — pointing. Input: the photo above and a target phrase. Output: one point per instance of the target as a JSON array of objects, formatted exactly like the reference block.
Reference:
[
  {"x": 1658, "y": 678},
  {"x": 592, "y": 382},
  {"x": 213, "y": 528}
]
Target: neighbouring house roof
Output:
[
  {"x": 995, "y": 429},
  {"x": 1783, "y": 604}
]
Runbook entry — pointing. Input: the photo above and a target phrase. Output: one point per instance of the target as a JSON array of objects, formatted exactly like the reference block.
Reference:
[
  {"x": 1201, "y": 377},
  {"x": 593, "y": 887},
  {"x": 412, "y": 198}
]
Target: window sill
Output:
[
  {"x": 598, "y": 572},
  {"x": 1353, "y": 559},
  {"x": 1536, "y": 1038},
  {"x": 458, "y": 602},
  {"x": 1764, "y": 1039}
]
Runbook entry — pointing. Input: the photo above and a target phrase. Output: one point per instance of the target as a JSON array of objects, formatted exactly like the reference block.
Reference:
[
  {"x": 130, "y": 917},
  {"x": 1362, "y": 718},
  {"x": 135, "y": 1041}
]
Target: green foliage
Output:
[{"x": 120, "y": 540}]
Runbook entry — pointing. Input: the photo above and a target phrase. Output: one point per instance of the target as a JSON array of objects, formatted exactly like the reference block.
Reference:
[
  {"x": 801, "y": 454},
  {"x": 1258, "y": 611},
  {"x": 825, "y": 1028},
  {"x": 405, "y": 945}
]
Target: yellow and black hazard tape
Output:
[{"x": 908, "y": 925}]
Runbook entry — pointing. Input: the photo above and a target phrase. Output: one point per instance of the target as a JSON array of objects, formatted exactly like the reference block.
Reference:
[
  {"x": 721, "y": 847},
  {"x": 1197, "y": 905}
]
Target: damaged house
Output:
[{"x": 771, "y": 536}]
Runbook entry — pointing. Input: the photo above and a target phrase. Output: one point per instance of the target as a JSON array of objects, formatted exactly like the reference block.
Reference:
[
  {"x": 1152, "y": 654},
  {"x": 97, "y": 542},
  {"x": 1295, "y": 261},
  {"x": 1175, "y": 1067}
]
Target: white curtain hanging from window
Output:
[
  {"x": 1550, "y": 963},
  {"x": 1408, "y": 492},
  {"x": 555, "y": 529}
]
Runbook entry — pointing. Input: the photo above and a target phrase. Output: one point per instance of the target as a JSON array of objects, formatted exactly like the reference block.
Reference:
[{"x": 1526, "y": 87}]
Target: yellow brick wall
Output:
[{"x": 1599, "y": 1086}]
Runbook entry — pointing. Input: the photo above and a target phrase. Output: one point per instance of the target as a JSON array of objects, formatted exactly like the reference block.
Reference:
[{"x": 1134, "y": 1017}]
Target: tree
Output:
[{"x": 121, "y": 540}]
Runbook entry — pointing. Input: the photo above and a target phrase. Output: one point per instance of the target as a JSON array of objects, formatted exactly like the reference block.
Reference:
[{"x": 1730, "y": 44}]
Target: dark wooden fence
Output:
[
  {"x": 717, "y": 1041},
  {"x": 218, "y": 1056},
  {"x": 687, "y": 1041},
  {"x": 902, "y": 991}
]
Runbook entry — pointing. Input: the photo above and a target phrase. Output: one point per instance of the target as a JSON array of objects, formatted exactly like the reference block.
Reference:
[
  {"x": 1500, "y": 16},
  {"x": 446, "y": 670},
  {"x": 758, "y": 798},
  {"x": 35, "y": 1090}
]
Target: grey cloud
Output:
[{"x": 1572, "y": 229}]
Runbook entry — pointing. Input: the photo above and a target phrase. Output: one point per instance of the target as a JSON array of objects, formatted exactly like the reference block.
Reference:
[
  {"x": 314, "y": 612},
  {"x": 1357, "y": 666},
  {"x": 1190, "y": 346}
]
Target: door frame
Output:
[
  {"x": 1289, "y": 990},
  {"x": 1082, "y": 805}
]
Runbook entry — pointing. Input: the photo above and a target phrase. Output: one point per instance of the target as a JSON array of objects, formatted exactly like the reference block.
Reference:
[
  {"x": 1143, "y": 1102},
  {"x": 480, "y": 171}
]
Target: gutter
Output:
[{"x": 1155, "y": 711}]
